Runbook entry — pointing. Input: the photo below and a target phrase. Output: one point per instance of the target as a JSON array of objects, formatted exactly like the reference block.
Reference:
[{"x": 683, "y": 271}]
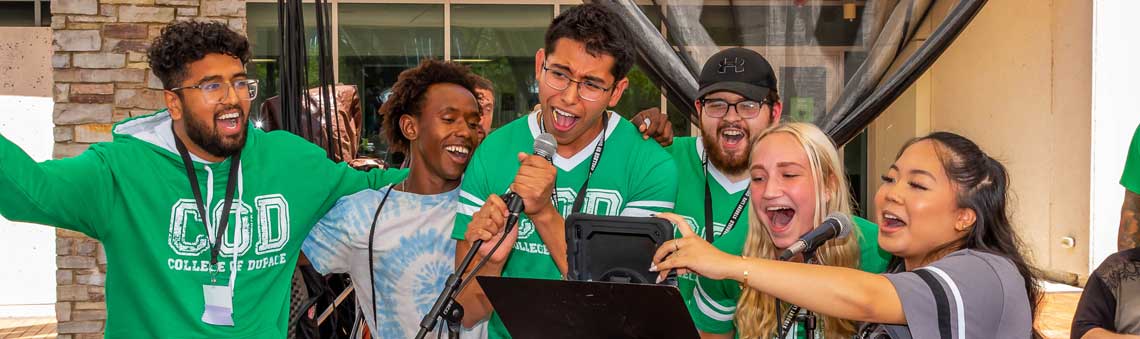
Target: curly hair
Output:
[
  {"x": 409, "y": 91},
  {"x": 599, "y": 29},
  {"x": 184, "y": 42},
  {"x": 483, "y": 83}
]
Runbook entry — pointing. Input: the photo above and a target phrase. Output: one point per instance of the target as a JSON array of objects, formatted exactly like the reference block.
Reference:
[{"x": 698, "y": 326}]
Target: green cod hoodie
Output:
[{"x": 133, "y": 195}]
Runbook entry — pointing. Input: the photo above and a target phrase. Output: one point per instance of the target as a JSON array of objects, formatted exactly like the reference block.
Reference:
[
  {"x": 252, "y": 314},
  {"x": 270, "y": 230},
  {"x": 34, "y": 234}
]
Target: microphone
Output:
[
  {"x": 545, "y": 146},
  {"x": 835, "y": 226}
]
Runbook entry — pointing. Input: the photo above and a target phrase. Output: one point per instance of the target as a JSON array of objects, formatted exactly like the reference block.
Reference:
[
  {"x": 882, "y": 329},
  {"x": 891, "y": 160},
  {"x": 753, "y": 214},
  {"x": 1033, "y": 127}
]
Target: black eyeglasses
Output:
[{"x": 718, "y": 108}]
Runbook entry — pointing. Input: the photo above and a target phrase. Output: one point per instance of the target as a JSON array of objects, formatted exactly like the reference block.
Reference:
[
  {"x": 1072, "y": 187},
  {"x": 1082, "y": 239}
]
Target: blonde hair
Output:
[{"x": 756, "y": 313}]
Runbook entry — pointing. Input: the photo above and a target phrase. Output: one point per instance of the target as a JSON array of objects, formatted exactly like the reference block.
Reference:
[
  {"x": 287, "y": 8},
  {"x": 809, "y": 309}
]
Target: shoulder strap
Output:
[{"x": 940, "y": 301}]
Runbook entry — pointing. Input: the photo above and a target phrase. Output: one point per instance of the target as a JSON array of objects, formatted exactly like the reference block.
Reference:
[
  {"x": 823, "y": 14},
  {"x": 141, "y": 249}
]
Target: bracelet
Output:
[{"x": 744, "y": 283}]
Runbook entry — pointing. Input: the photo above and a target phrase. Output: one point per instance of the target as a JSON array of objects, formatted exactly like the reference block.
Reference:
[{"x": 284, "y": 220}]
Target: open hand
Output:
[{"x": 690, "y": 253}]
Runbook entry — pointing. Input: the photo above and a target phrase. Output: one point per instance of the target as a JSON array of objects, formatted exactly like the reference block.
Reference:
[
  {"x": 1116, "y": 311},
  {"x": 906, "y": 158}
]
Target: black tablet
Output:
[{"x": 614, "y": 249}]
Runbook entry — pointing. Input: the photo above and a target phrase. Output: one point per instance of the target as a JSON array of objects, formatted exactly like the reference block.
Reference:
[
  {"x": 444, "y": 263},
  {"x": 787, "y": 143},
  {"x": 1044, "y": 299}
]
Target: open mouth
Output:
[
  {"x": 780, "y": 217},
  {"x": 459, "y": 153},
  {"x": 229, "y": 123},
  {"x": 731, "y": 138},
  {"x": 564, "y": 121},
  {"x": 891, "y": 222}
]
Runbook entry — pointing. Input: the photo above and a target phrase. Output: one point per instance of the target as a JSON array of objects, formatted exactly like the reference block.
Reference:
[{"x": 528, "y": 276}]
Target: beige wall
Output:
[
  {"x": 27, "y": 251},
  {"x": 1017, "y": 81}
]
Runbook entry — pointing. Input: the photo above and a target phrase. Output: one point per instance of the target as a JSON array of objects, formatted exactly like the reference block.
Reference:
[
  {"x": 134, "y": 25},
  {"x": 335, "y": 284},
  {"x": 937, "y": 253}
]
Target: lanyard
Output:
[
  {"x": 787, "y": 320},
  {"x": 371, "y": 255},
  {"x": 231, "y": 184},
  {"x": 709, "y": 210},
  {"x": 581, "y": 198}
]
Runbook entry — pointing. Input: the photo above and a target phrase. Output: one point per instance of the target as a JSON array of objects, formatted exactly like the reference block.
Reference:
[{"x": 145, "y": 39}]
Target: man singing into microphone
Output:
[{"x": 602, "y": 165}]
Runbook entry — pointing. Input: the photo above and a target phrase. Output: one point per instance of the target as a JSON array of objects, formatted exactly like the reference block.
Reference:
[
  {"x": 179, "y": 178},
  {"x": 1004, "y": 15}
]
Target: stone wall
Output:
[{"x": 102, "y": 77}]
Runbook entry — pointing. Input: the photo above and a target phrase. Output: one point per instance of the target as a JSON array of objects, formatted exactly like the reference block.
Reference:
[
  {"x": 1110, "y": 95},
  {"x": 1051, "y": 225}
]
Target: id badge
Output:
[{"x": 219, "y": 305}]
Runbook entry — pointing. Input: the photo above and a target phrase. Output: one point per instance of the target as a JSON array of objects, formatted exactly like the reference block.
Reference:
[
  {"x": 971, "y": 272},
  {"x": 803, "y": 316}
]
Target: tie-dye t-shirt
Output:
[{"x": 413, "y": 254}]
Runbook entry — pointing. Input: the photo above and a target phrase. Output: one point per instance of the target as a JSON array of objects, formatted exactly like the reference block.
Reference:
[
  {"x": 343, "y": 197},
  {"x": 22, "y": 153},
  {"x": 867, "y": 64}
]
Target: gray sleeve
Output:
[{"x": 969, "y": 290}]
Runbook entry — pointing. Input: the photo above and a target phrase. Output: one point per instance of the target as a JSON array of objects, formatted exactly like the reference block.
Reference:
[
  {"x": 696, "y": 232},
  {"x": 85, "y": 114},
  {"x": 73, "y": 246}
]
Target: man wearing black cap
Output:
[{"x": 736, "y": 100}]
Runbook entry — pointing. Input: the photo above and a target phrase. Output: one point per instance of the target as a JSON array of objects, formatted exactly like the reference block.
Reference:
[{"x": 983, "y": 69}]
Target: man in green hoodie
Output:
[{"x": 160, "y": 194}]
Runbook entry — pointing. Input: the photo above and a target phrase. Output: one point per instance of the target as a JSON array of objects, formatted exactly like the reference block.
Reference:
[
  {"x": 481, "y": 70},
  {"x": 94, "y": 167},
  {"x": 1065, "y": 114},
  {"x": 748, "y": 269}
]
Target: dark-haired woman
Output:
[{"x": 942, "y": 212}]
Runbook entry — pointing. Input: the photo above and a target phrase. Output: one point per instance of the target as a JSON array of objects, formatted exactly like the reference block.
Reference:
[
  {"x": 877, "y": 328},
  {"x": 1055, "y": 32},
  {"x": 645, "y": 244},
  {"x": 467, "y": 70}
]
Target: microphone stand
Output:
[{"x": 445, "y": 306}]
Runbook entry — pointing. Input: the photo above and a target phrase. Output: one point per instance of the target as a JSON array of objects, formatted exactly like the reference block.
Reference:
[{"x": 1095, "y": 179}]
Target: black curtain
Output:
[{"x": 839, "y": 64}]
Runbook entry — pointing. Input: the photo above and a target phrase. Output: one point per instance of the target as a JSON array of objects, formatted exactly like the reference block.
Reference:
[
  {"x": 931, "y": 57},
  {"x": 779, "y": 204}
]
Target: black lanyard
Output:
[
  {"x": 231, "y": 184},
  {"x": 709, "y": 210},
  {"x": 581, "y": 198},
  {"x": 371, "y": 255},
  {"x": 787, "y": 320}
]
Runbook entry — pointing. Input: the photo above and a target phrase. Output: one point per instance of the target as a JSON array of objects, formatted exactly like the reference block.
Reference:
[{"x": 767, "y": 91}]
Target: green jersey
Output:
[
  {"x": 688, "y": 153},
  {"x": 132, "y": 194},
  {"x": 634, "y": 177}
]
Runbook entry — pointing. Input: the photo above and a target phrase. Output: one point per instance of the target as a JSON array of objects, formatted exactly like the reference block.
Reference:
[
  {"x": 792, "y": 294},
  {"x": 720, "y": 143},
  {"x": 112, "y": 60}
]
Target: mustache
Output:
[
  {"x": 222, "y": 110},
  {"x": 723, "y": 125}
]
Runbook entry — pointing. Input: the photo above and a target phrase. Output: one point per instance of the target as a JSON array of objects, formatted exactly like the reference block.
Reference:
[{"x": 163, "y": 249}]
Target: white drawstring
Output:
[
  {"x": 209, "y": 217},
  {"x": 236, "y": 226}
]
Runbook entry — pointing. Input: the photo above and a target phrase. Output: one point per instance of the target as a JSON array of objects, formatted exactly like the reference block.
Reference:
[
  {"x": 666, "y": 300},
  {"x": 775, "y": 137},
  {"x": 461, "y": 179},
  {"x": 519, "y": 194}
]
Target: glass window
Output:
[
  {"x": 22, "y": 13},
  {"x": 641, "y": 94},
  {"x": 265, "y": 44},
  {"x": 377, "y": 42},
  {"x": 744, "y": 25},
  {"x": 499, "y": 43}
]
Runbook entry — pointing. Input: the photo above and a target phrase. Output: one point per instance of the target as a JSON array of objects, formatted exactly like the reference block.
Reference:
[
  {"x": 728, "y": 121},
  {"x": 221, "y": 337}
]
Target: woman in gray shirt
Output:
[{"x": 942, "y": 212}]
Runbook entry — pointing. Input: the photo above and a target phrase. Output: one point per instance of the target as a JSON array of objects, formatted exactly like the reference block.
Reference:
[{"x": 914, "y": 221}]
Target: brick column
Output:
[{"x": 102, "y": 77}]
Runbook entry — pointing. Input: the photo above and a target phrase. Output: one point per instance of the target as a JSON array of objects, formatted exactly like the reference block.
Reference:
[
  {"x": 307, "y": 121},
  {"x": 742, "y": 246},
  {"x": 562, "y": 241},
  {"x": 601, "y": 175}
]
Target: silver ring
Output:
[{"x": 647, "y": 123}]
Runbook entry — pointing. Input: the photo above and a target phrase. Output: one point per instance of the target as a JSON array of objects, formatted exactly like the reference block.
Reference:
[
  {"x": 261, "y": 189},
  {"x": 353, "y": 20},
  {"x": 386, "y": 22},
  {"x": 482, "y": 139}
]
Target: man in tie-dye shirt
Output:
[{"x": 432, "y": 116}]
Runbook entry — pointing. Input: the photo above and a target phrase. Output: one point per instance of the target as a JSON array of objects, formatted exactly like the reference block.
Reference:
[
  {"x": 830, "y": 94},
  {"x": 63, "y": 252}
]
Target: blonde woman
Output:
[{"x": 797, "y": 180}]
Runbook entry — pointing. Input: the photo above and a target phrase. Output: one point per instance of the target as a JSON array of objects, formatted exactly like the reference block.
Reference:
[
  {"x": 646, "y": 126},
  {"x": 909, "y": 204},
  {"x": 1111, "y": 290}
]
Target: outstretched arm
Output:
[
  {"x": 73, "y": 193},
  {"x": 835, "y": 291}
]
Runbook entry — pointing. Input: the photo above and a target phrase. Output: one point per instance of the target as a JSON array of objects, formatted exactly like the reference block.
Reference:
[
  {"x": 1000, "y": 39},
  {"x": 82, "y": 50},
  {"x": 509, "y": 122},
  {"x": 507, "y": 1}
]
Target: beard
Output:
[
  {"x": 725, "y": 162},
  {"x": 205, "y": 134}
]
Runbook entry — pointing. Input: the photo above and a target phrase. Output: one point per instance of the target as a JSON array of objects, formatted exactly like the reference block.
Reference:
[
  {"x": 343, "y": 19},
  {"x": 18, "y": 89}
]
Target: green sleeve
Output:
[
  {"x": 473, "y": 192},
  {"x": 872, "y": 258},
  {"x": 669, "y": 149},
  {"x": 654, "y": 183},
  {"x": 339, "y": 179},
  {"x": 72, "y": 193},
  {"x": 679, "y": 145},
  {"x": 1131, "y": 177},
  {"x": 714, "y": 305}
]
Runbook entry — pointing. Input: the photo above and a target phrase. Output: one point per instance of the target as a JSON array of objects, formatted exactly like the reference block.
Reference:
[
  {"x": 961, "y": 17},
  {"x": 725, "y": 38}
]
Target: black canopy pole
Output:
[{"x": 656, "y": 56}]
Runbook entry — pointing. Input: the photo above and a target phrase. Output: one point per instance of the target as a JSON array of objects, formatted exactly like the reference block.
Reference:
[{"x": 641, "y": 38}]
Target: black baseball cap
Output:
[{"x": 738, "y": 70}]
